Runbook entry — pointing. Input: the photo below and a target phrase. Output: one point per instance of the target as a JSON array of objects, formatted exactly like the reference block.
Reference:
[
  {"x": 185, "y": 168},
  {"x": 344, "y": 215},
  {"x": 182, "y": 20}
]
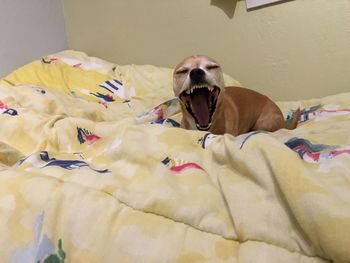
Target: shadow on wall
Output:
[{"x": 228, "y": 7}]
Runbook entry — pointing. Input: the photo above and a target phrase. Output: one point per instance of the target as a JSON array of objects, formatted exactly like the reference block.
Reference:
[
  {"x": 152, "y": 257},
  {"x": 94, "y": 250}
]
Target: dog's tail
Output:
[{"x": 295, "y": 119}]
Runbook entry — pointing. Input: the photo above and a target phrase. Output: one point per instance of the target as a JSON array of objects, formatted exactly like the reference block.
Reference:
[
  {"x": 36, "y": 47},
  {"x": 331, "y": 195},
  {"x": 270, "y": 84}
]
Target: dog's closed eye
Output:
[
  {"x": 213, "y": 66},
  {"x": 182, "y": 71}
]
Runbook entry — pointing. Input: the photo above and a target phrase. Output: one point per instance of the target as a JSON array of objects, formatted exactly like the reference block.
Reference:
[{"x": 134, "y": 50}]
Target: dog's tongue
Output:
[{"x": 200, "y": 108}]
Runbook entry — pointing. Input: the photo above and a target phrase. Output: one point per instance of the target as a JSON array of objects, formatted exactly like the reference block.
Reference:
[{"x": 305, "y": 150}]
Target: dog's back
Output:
[{"x": 240, "y": 110}]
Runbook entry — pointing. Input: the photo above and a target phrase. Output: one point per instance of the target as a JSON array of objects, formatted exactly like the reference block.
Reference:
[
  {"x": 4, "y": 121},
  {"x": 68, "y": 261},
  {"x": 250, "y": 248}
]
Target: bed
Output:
[{"x": 94, "y": 168}]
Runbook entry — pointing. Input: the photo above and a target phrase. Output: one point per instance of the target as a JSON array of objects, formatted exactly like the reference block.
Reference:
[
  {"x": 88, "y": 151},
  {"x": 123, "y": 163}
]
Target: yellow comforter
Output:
[{"x": 94, "y": 169}]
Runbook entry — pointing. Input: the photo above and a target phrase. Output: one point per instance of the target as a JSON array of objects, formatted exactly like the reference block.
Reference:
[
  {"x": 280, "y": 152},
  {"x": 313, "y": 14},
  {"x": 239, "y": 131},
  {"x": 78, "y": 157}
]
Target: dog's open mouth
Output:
[{"x": 200, "y": 102}]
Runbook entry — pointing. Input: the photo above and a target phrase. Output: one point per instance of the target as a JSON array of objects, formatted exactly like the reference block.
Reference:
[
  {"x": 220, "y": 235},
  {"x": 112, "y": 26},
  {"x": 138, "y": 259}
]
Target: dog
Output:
[{"x": 208, "y": 105}]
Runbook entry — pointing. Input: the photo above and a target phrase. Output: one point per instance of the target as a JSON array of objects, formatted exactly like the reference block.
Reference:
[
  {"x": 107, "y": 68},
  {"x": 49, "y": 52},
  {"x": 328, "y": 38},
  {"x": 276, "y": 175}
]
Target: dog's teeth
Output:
[{"x": 190, "y": 91}]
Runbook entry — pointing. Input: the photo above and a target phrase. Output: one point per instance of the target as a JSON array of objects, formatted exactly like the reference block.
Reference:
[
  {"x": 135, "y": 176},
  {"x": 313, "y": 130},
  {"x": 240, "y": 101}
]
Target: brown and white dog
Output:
[{"x": 208, "y": 105}]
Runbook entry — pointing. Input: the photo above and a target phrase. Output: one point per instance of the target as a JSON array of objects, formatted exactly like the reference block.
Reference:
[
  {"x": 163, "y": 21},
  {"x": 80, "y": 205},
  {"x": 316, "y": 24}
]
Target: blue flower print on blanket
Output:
[
  {"x": 315, "y": 153},
  {"x": 41, "y": 250},
  {"x": 4, "y": 109},
  {"x": 322, "y": 111},
  {"x": 206, "y": 140},
  {"x": 43, "y": 160},
  {"x": 161, "y": 114}
]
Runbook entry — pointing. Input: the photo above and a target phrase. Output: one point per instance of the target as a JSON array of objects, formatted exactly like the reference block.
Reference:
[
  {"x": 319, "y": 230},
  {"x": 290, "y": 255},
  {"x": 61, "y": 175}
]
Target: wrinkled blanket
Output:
[{"x": 95, "y": 169}]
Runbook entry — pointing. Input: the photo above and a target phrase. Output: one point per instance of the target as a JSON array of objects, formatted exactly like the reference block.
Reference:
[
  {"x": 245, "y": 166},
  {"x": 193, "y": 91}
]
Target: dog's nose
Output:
[{"x": 197, "y": 75}]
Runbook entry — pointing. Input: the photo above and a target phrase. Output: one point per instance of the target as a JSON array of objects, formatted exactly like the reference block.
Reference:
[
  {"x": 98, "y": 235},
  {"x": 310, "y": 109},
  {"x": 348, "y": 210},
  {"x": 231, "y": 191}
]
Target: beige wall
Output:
[
  {"x": 297, "y": 49},
  {"x": 29, "y": 29}
]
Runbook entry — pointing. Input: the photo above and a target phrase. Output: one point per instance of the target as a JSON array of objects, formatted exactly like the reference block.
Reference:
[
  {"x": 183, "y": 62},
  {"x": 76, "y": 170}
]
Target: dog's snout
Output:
[{"x": 197, "y": 75}]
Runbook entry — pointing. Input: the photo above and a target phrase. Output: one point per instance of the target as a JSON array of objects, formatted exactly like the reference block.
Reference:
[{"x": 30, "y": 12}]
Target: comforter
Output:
[{"x": 94, "y": 168}]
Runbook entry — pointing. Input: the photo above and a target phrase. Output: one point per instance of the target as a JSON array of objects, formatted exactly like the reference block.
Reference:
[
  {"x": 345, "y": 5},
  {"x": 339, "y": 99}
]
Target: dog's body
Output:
[{"x": 207, "y": 104}]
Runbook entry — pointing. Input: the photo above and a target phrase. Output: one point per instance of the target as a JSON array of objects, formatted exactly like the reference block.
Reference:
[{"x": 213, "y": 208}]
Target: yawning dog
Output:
[{"x": 208, "y": 105}]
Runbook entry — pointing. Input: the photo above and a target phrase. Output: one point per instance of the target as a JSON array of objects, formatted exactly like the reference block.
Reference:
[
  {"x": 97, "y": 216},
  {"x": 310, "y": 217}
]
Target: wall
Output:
[
  {"x": 296, "y": 49},
  {"x": 29, "y": 29}
]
